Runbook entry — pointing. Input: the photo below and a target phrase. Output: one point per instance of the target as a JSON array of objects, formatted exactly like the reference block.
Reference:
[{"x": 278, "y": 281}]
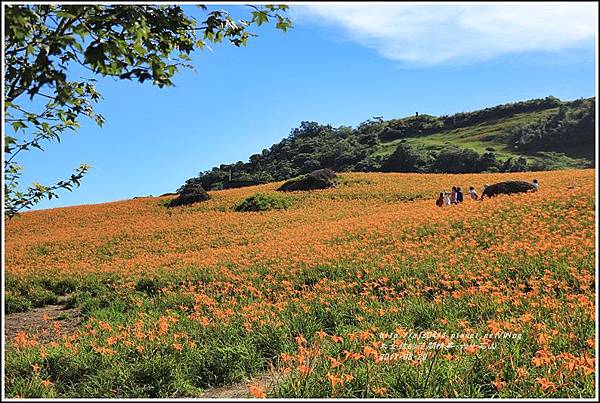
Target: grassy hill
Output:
[
  {"x": 534, "y": 135},
  {"x": 173, "y": 302},
  {"x": 495, "y": 135}
]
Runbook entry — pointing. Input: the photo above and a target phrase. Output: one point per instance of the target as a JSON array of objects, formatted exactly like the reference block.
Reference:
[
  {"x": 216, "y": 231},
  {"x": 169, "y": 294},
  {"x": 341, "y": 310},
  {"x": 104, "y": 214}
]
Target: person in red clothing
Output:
[{"x": 440, "y": 200}]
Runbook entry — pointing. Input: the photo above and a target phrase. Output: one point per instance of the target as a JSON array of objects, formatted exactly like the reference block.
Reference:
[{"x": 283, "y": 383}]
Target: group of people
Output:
[{"x": 456, "y": 195}]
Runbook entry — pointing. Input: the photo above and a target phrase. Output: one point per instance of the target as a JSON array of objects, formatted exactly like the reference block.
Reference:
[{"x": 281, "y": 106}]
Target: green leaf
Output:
[
  {"x": 65, "y": 14},
  {"x": 260, "y": 17},
  {"x": 18, "y": 125},
  {"x": 8, "y": 140}
]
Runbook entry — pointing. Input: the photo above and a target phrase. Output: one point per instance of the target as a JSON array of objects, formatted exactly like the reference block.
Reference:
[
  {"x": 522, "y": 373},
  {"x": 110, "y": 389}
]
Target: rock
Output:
[
  {"x": 319, "y": 179},
  {"x": 190, "y": 194},
  {"x": 507, "y": 187}
]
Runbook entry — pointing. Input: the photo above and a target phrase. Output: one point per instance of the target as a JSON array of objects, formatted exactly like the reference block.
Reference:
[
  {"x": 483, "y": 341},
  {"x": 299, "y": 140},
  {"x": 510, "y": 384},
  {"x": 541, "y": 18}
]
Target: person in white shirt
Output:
[
  {"x": 473, "y": 193},
  {"x": 536, "y": 184},
  {"x": 447, "y": 200}
]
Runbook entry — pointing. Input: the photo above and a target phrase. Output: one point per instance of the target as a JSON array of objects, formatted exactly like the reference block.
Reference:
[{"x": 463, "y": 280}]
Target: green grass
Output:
[{"x": 496, "y": 134}]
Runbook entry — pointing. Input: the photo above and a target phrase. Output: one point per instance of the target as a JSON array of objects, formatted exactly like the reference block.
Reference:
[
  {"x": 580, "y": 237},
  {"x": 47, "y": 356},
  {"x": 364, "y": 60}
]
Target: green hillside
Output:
[{"x": 534, "y": 135}]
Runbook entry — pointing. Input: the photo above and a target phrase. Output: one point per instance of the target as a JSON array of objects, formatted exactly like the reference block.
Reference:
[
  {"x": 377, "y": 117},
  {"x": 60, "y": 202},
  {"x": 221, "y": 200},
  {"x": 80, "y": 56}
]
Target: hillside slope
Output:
[
  {"x": 534, "y": 135},
  {"x": 176, "y": 301}
]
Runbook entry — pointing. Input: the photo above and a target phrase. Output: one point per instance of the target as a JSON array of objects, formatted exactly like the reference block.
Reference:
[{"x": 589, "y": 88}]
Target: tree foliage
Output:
[
  {"x": 46, "y": 45},
  {"x": 407, "y": 159},
  {"x": 564, "y": 128}
]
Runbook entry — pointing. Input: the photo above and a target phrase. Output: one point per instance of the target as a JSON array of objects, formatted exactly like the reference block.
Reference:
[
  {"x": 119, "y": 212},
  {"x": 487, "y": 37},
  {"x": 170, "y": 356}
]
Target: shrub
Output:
[
  {"x": 407, "y": 159},
  {"x": 149, "y": 286},
  {"x": 262, "y": 202},
  {"x": 59, "y": 287},
  {"x": 454, "y": 159},
  {"x": 40, "y": 297},
  {"x": 372, "y": 163},
  {"x": 16, "y": 303}
]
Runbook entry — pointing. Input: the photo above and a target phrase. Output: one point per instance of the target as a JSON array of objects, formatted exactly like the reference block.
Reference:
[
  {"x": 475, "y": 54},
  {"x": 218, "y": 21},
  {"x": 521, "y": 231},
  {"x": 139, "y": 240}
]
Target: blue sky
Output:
[{"x": 336, "y": 66}]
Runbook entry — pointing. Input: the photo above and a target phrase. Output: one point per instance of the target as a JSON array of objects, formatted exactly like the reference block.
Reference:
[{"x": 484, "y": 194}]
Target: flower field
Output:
[{"x": 364, "y": 290}]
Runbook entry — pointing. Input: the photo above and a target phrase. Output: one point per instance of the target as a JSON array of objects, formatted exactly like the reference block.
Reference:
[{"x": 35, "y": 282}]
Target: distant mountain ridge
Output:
[{"x": 533, "y": 135}]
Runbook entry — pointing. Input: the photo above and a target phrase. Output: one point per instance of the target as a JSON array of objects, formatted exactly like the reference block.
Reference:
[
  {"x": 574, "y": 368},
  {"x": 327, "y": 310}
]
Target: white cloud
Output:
[{"x": 429, "y": 34}]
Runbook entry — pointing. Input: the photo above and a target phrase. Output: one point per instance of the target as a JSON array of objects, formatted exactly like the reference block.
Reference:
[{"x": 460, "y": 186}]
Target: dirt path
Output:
[
  {"x": 42, "y": 322},
  {"x": 240, "y": 389}
]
